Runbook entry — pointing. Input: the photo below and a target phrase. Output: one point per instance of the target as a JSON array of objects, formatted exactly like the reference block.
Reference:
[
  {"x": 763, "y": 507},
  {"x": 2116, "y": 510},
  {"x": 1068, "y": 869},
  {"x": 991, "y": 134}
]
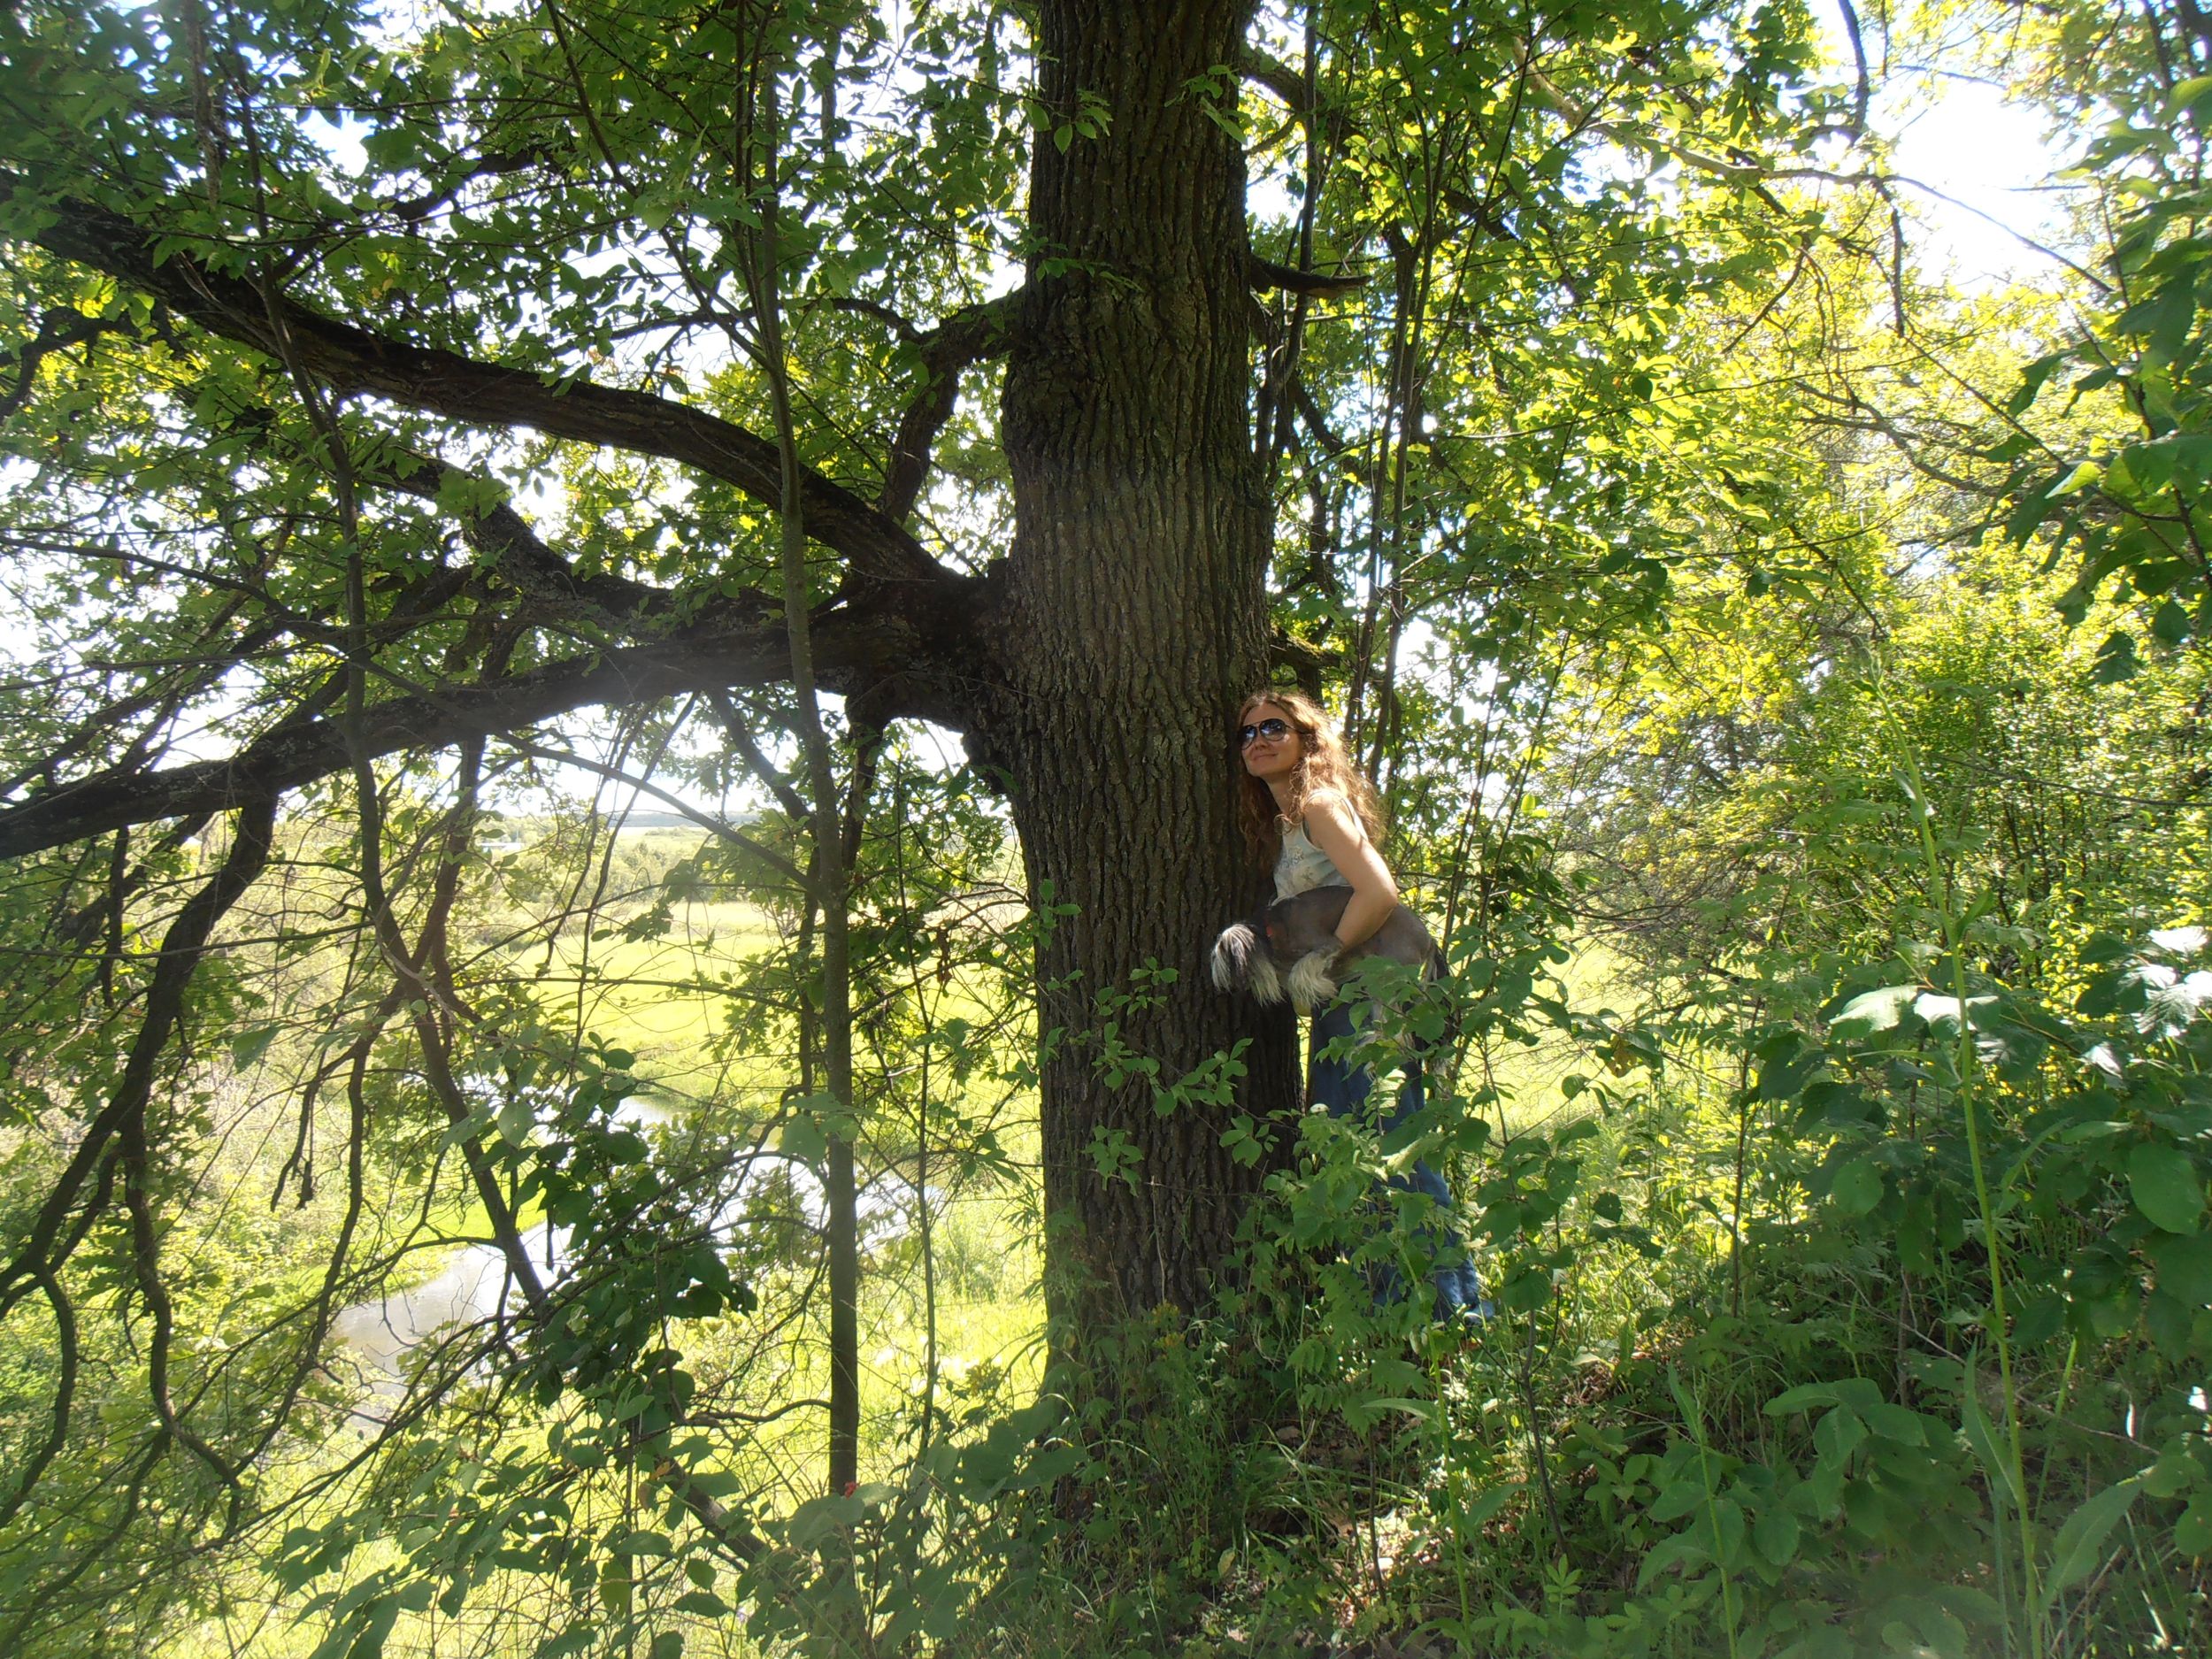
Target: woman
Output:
[{"x": 1304, "y": 803}]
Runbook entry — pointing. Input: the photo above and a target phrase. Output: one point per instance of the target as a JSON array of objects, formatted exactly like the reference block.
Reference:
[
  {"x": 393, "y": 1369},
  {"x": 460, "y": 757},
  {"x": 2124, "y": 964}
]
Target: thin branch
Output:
[
  {"x": 182, "y": 947},
  {"x": 718, "y": 827},
  {"x": 64, "y": 1396},
  {"x": 1756, "y": 173},
  {"x": 762, "y": 768},
  {"x": 969, "y": 335}
]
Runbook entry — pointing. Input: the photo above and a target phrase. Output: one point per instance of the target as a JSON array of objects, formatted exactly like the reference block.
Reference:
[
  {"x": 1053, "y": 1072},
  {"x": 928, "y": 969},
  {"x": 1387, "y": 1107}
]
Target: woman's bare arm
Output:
[{"x": 1332, "y": 825}]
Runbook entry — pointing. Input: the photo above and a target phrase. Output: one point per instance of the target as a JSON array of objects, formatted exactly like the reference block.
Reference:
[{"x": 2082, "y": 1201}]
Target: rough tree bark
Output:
[{"x": 1135, "y": 618}]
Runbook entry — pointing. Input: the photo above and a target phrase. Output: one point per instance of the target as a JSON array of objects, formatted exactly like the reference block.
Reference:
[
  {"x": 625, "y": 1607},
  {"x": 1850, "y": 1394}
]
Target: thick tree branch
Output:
[
  {"x": 1265, "y": 273},
  {"x": 908, "y": 333},
  {"x": 1327, "y": 125},
  {"x": 1288, "y": 85},
  {"x": 64, "y": 1396},
  {"x": 412, "y": 209},
  {"x": 350, "y": 359},
  {"x": 58, "y": 330},
  {"x": 509, "y": 546},
  {"x": 917, "y": 653},
  {"x": 1863, "y": 94},
  {"x": 1316, "y": 421}
]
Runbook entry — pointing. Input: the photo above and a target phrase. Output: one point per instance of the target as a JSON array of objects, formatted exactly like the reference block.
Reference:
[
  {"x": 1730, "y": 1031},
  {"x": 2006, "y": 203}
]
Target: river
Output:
[{"x": 372, "y": 1340}]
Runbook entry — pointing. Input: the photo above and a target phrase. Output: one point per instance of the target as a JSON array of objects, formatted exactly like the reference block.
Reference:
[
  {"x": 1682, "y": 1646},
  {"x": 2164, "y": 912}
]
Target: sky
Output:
[{"x": 1991, "y": 158}]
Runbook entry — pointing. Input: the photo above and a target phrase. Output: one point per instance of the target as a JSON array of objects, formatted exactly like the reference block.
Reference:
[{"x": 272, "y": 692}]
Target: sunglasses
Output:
[{"x": 1274, "y": 730}]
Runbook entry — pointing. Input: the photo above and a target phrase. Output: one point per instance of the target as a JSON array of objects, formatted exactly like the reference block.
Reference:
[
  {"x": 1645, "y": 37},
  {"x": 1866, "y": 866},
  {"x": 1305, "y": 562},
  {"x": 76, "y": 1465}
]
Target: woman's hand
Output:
[{"x": 1332, "y": 826}]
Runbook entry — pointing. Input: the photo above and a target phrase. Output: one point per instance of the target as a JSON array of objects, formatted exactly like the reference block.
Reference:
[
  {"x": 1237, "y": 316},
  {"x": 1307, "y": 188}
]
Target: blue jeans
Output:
[{"x": 1341, "y": 1086}]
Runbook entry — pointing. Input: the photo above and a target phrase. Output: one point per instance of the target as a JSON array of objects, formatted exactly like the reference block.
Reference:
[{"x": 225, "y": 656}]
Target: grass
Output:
[
  {"x": 1530, "y": 1078},
  {"x": 666, "y": 999}
]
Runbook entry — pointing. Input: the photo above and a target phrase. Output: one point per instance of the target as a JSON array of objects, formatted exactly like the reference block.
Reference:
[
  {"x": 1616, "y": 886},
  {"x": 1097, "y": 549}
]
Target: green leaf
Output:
[
  {"x": 2026, "y": 518},
  {"x": 2166, "y": 1188},
  {"x": 1480, "y": 1510},
  {"x": 1857, "y": 1187},
  {"x": 1870, "y": 1011},
  {"x": 2148, "y": 466},
  {"x": 2186, "y": 93},
  {"x": 2080, "y": 1543},
  {"x": 1361, "y": 1413},
  {"x": 2193, "y": 1533},
  {"x": 1804, "y": 1397},
  {"x": 1683, "y": 1497},
  {"x": 1894, "y": 1423},
  {"x": 2185, "y": 1267},
  {"x": 2171, "y": 1322},
  {"x": 2161, "y": 317},
  {"x": 1981, "y": 1438},
  {"x": 801, "y": 1138},
  {"x": 2033, "y": 380},
  {"x": 1782, "y": 1076},
  {"x": 819, "y": 1519},
  {"x": 1774, "y": 1535},
  {"x": 2115, "y": 659},
  {"x": 1838, "y": 1434},
  {"x": 1725, "y": 1524},
  {"x": 2083, "y": 474},
  {"x": 516, "y": 1120},
  {"x": 248, "y": 1047}
]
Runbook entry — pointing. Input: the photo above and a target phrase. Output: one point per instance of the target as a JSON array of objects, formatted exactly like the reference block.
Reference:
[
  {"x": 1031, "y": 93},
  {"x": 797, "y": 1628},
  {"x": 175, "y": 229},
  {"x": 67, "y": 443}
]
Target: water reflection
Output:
[{"x": 375, "y": 1342}]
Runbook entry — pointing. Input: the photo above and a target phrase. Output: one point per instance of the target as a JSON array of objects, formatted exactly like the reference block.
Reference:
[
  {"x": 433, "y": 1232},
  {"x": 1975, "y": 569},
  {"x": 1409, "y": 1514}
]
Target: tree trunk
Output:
[{"x": 1134, "y": 621}]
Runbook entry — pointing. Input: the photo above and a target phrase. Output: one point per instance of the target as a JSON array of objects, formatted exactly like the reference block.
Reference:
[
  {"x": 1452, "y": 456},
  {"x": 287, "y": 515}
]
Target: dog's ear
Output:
[
  {"x": 1242, "y": 962},
  {"x": 1232, "y": 957}
]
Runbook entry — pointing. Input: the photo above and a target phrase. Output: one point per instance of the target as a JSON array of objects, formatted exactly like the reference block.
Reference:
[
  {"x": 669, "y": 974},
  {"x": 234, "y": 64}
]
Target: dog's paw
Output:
[
  {"x": 1309, "y": 981},
  {"x": 1266, "y": 985}
]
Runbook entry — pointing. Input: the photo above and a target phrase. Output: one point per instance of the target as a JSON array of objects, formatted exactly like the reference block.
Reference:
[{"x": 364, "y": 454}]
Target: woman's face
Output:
[{"x": 1269, "y": 757}]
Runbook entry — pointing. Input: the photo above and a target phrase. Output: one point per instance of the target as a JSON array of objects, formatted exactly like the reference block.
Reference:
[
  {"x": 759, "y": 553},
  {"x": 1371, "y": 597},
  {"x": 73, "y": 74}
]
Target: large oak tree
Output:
[{"x": 299, "y": 298}]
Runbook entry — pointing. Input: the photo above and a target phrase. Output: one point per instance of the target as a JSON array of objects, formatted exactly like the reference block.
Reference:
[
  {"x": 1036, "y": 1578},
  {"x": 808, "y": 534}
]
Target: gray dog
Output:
[{"x": 1290, "y": 948}]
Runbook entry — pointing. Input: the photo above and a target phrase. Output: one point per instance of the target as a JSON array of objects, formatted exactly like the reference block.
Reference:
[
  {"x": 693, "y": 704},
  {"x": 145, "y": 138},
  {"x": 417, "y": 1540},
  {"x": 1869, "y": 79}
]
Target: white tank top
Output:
[{"x": 1301, "y": 866}]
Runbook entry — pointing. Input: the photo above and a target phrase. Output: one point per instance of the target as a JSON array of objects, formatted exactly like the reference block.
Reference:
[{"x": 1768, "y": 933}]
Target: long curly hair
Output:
[{"x": 1324, "y": 764}]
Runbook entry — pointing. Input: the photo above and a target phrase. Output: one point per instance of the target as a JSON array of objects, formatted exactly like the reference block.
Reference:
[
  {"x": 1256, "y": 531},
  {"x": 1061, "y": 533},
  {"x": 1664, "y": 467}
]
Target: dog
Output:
[{"x": 1290, "y": 948}]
